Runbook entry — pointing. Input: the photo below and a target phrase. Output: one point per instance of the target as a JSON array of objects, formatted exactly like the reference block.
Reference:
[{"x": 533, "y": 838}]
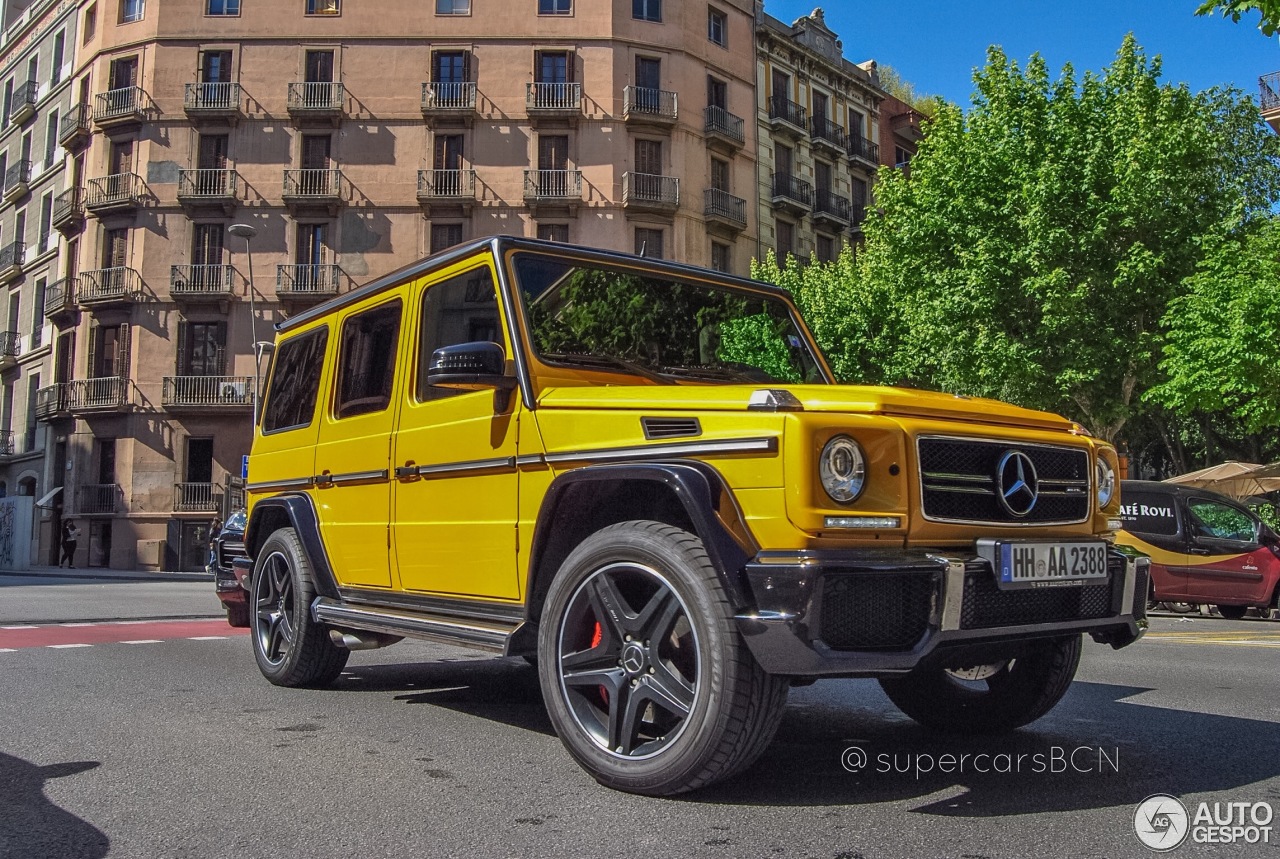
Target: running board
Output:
[{"x": 478, "y": 634}]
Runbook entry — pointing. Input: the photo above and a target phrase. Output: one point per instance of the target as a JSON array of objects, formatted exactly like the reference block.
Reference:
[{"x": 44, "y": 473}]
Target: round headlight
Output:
[
  {"x": 843, "y": 469},
  {"x": 1106, "y": 483}
]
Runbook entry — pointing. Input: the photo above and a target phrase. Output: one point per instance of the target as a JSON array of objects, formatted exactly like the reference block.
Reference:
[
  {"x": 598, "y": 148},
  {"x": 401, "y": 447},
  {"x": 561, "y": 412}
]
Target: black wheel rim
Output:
[
  {"x": 628, "y": 661},
  {"x": 273, "y": 601}
]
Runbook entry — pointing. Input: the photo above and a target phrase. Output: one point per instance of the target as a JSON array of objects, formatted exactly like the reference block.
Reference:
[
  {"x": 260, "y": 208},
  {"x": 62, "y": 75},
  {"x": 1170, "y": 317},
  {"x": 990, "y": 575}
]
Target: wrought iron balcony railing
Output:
[
  {"x": 825, "y": 131},
  {"x": 649, "y": 190},
  {"x": 197, "y": 498},
  {"x": 17, "y": 180},
  {"x": 723, "y": 206},
  {"x": 793, "y": 188},
  {"x": 206, "y": 391},
  {"x": 553, "y": 184},
  {"x": 722, "y": 123},
  {"x": 445, "y": 96},
  {"x": 103, "y": 285},
  {"x": 786, "y": 110},
  {"x": 186, "y": 281},
  {"x": 218, "y": 98},
  {"x": 118, "y": 105},
  {"x": 68, "y": 209},
  {"x": 106, "y": 392},
  {"x": 646, "y": 103},
  {"x": 208, "y": 185},
  {"x": 60, "y": 296},
  {"x": 74, "y": 127},
  {"x": 832, "y": 206},
  {"x": 446, "y": 184},
  {"x": 10, "y": 344},
  {"x": 307, "y": 279},
  {"x": 561, "y": 98},
  {"x": 317, "y": 97},
  {"x": 98, "y": 499},
  {"x": 12, "y": 256},
  {"x": 1269, "y": 91},
  {"x": 114, "y": 192},
  {"x": 867, "y": 150},
  {"x": 23, "y": 105},
  {"x": 313, "y": 184}
]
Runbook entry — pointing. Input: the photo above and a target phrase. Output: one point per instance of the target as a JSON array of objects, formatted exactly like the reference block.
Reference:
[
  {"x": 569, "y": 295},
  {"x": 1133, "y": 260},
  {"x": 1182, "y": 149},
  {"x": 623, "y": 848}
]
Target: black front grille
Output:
[
  {"x": 876, "y": 612},
  {"x": 228, "y": 551},
  {"x": 985, "y": 605},
  {"x": 958, "y": 481}
]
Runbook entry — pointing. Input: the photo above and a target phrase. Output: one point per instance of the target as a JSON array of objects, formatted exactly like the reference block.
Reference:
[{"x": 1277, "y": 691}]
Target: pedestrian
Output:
[
  {"x": 70, "y": 534},
  {"x": 211, "y": 561}
]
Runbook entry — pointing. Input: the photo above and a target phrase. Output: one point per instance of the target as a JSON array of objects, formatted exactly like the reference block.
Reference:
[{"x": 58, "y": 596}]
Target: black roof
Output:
[{"x": 498, "y": 245}]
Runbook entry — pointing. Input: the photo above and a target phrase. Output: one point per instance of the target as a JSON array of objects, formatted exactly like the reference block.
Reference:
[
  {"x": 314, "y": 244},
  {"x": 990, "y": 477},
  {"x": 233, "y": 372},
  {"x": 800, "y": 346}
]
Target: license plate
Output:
[{"x": 1039, "y": 565}]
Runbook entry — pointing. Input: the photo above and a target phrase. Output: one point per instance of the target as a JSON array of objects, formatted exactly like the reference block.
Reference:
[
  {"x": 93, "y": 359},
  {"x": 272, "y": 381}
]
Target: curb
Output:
[{"x": 108, "y": 575}]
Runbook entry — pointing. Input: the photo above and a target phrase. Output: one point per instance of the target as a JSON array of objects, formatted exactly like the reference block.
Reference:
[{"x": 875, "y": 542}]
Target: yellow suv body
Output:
[{"x": 642, "y": 477}]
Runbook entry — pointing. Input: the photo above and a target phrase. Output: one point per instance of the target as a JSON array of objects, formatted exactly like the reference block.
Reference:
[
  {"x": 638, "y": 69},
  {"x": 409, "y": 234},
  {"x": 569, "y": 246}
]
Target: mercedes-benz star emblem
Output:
[
  {"x": 1016, "y": 483},
  {"x": 633, "y": 660}
]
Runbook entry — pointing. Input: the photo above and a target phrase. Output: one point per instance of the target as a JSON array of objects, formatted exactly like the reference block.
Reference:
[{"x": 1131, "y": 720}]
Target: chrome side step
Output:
[{"x": 478, "y": 634}]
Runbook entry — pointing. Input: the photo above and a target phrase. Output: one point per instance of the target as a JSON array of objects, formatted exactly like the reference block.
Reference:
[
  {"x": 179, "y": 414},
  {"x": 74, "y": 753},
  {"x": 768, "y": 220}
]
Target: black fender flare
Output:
[
  {"x": 300, "y": 513},
  {"x": 702, "y": 493}
]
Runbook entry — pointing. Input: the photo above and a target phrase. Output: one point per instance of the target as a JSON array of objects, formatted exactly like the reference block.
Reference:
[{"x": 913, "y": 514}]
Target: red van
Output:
[{"x": 1204, "y": 547}]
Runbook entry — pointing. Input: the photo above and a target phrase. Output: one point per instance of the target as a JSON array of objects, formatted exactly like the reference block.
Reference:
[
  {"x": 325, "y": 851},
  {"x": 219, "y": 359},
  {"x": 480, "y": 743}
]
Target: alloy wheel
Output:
[{"x": 273, "y": 600}]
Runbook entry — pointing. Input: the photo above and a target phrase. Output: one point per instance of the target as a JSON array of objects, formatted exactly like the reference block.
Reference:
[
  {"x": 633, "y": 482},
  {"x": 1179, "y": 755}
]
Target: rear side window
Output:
[
  {"x": 1147, "y": 513},
  {"x": 367, "y": 361},
  {"x": 295, "y": 382}
]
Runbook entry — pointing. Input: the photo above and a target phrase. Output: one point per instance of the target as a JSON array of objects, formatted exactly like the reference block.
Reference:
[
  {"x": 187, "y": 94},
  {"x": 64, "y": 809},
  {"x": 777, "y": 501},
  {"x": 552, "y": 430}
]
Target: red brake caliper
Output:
[{"x": 596, "y": 636}]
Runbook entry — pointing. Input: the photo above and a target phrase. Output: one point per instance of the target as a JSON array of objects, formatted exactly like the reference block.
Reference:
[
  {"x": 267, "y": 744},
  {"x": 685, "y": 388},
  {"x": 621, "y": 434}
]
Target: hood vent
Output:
[{"x": 657, "y": 428}]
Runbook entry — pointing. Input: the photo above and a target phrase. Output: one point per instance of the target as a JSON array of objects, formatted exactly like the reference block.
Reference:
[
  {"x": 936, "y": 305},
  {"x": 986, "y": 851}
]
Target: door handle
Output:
[
  {"x": 1198, "y": 551},
  {"x": 408, "y": 471},
  {"x": 324, "y": 479}
]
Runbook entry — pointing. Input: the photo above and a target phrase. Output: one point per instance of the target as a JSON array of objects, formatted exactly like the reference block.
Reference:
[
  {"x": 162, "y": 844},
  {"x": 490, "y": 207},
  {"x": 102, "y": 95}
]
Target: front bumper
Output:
[{"x": 868, "y": 613}]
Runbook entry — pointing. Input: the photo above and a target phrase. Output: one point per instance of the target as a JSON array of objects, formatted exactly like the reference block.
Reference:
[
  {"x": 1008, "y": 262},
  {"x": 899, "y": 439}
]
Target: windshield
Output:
[{"x": 658, "y": 326}]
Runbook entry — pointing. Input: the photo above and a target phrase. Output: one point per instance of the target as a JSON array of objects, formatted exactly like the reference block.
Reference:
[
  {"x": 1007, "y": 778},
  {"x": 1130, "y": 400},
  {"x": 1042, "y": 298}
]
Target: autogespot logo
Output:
[{"x": 1161, "y": 822}]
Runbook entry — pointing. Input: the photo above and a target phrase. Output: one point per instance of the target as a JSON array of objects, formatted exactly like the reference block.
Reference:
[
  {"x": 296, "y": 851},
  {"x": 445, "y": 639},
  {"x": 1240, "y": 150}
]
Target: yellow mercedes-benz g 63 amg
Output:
[{"x": 643, "y": 478}]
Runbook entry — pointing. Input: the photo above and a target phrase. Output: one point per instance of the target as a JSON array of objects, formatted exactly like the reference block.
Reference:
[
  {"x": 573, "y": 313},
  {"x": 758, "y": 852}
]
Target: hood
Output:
[{"x": 856, "y": 399}]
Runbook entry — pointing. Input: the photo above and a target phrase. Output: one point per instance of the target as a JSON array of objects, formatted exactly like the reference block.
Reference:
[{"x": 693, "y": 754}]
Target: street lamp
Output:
[{"x": 247, "y": 232}]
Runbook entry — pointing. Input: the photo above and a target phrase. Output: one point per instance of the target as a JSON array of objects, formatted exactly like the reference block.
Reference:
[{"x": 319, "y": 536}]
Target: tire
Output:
[
  {"x": 645, "y": 676},
  {"x": 291, "y": 649},
  {"x": 1010, "y": 695},
  {"x": 238, "y": 615},
  {"x": 1232, "y": 612}
]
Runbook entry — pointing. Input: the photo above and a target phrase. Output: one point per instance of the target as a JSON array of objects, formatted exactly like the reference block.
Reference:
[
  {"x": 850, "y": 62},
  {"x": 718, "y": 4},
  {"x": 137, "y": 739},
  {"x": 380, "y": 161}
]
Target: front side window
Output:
[
  {"x": 295, "y": 382},
  {"x": 462, "y": 309},
  {"x": 131, "y": 10},
  {"x": 453, "y": 7},
  {"x": 654, "y": 324},
  {"x": 223, "y": 7},
  {"x": 367, "y": 361},
  {"x": 646, "y": 10},
  {"x": 717, "y": 27},
  {"x": 1219, "y": 521},
  {"x": 555, "y": 7}
]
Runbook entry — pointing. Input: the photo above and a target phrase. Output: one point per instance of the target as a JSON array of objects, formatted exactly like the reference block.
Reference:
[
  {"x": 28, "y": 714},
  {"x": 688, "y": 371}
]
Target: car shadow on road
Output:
[{"x": 31, "y": 825}]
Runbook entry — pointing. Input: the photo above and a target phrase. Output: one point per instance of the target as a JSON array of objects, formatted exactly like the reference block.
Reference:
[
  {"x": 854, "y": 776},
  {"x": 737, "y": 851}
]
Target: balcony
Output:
[
  {"x": 200, "y": 282},
  {"x": 53, "y": 402},
  {"x": 831, "y": 208},
  {"x": 447, "y": 188},
  {"x": 864, "y": 150},
  {"x": 105, "y": 286},
  {"x": 197, "y": 498},
  {"x": 646, "y": 192},
  {"x": 116, "y": 108},
  {"x": 553, "y": 101},
  {"x": 206, "y": 393},
  {"x": 646, "y": 106},
  {"x": 8, "y": 444},
  {"x": 17, "y": 181},
  {"x": 1269, "y": 98},
  {"x": 315, "y": 101},
  {"x": 311, "y": 281},
  {"x": 791, "y": 193},
  {"x": 68, "y": 211},
  {"x": 98, "y": 499},
  {"x": 825, "y": 134},
  {"x": 10, "y": 346},
  {"x": 212, "y": 101},
  {"x": 787, "y": 117},
  {"x": 724, "y": 129},
  {"x": 115, "y": 194},
  {"x": 216, "y": 189},
  {"x": 309, "y": 189},
  {"x": 60, "y": 297},
  {"x": 908, "y": 126},
  {"x": 447, "y": 101},
  {"x": 23, "y": 106},
  {"x": 12, "y": 256},
  {"x": 722, "y": 209},
  {"x": 552, "y": 188},
  {"x": 104, "y": 394},
  {"x": 74, "y": 127}
]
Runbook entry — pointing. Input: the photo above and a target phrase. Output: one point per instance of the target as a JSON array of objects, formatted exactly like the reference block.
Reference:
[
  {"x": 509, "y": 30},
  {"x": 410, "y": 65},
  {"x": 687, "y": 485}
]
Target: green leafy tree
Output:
[
  {"x": 1223, "y": 345},
  {"x": 1034, "y": 250},
  {"x": 1269, "y": 10}
]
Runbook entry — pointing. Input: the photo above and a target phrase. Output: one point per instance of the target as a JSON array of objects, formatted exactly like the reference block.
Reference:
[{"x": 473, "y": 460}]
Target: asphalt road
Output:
[{"x": 157, "y": 738}]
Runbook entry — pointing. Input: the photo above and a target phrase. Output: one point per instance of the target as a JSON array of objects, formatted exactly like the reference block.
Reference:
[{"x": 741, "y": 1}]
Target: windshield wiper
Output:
[
  {"x": 720, "y": 372},
  {"x": 606, "y": 362}
]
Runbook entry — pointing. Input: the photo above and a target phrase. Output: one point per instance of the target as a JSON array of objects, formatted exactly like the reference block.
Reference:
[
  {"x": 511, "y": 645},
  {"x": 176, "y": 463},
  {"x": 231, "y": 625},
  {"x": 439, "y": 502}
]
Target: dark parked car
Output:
[
  {"x": 1204, "y": 547},
  {"x": 227, "y": 546}
]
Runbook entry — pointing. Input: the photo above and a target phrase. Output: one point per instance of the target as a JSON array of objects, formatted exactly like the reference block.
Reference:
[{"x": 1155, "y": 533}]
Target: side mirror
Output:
[{"x": 472, "y": 367}]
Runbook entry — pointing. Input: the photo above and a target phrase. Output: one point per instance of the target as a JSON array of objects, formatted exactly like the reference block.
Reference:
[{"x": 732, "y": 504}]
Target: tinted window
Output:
[
  {"x": 295, "y": 382},
  {"x": 463, "y": 309},
  {"x": 1149, "y": 513},
  {"x": 1220, "y": 521},
  {"x": 367, "y": 361}
]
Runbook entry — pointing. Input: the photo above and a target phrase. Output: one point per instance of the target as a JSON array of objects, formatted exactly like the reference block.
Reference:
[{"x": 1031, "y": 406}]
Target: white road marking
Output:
[
  {"x": 63, "y": 646},
  {"x": 77, "y": 624},
  {"x": 207, "y": 638},
  {"x": 144, "y": 641},
  {"x": 25, "y": 626},
  {"x": 7, "y": 650}
]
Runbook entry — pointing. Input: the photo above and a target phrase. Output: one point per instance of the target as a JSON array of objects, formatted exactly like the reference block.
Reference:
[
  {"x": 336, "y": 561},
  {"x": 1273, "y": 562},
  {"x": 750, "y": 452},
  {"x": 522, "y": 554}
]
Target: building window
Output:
[
  {"x": 649, "y": 242},
  {"x": 37, "y": 313},
  {"x": 720, "y": 175},
  {"x": 720, "y": 257},
  {"x": 857, "y": 124},
  {"x": 46, "y": 223},
  {"x": 90, "y": 27},
  {"x": 646, "y": 10},
  {"x": 718, "y": 27},
  {"x": 109, "y": 353},
  {"x": 786, "y": 241},
  {"x": 453, "y": 7},
  {"x": 59, "y": 50},
  {"x": 445, "y": 236},
  {"x": 131, "y": 10},
  {"x": 202, "y": 348},
  {"x": 553, "y": 232},
  {"x": 826, "y": 248},
  {"x": 223, "y": 7},
  {"x": 649, "y": 157},
  {"x": 51, "y": 139},
  {"x": 7, "y": 104},
  {"x": 555, "y": 7},
  {"x": 451, "y": 67},
  {"x": 321, "y": 7},
  {"x": 717, "y": 93},
  {"x": 901, "y": 157}
]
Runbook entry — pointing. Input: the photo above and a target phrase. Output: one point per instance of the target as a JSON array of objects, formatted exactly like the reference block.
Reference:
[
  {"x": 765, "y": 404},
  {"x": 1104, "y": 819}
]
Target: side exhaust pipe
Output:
[{"x": 362, "y": 640}]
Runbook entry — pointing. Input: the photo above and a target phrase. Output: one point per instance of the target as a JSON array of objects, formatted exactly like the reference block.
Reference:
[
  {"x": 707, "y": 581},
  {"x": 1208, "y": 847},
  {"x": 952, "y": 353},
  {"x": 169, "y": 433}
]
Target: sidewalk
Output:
[{"x": 103, "y": 573}]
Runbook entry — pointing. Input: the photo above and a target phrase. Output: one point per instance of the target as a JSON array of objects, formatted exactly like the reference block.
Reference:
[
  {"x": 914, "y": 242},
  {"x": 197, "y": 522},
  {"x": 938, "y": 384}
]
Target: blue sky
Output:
[{"x": 937, "y": 45}]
